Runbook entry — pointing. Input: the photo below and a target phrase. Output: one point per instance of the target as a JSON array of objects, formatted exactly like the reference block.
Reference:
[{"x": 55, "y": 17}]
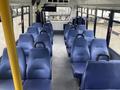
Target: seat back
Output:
[
  {"x": 71, "y": 36},
  {"x": 48, "y": 28},
  {"x": 26, "y": 42},
  {"x": 67, "y": 29},
  {"x": 38, "y": 25},
  {"x": 80, "y": 21},
  {"x": 80, "y": 50},
  {"x": 89, "y": 36},
  {"x": 5, "y": 70},
  {"x": 44, "y": 37},
  {"x": 33, "y": 31},
  {"x": 102, "y": 75},
  {"x": 98, "y": 47},
  {"x": 39, "y": 64},
  {"x": 81, "y": 28}
]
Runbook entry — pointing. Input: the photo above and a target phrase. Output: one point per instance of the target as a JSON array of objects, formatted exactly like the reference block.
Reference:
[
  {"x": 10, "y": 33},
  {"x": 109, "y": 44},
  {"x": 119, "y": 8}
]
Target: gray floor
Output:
[{"x": 62, "y": 73}]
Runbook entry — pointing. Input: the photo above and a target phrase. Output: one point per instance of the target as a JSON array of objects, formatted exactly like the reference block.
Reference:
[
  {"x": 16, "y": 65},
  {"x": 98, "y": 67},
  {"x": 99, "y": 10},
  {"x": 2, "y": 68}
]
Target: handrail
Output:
[{"x": 10, "y": 41}]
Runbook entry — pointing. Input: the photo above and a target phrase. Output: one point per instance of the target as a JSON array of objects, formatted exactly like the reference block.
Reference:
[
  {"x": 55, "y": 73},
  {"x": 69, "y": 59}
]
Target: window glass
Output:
[
  {"x": 17, "y": 27},
  {"x": 99, "y": 13},
  {"x": 19, "y": 11},
  {"x": 115, "y": 38},
  {"x": 62, "y": 14},
  {"x": 26, "y": 22},
  {"x": 91, "y": 19},
  {"x": 93, "y": 12},
  {"x": 79, "y": 11},
  {"x": 106, "y": 14},
  {"x": 90, "y": 11},
  {"x": 85, "y": 10},
  {"x": 2, "y": 40},
  {"x": 14, "y": 12},
  {"x": 25, "y": 10},
  {"x": 117, "y": 16},
  {"x": 101, "y": 28}
]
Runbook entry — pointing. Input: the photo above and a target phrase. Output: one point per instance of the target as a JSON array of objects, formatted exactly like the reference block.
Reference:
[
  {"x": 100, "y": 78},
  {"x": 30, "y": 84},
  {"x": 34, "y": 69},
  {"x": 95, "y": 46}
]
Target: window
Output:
[
  {"x": 117, "y": 16},
  {"x": 19, "y": 11},
  {"x": 25, "y": 10},
  {"x": 115, "y": 38},
  {"x": 99, "y": 13},
  {"x": 26, "y": 22},
  {"x": 2, "y": 40},
  {"x": 101, "y": 28},
  {"x": 17, "y": 27},
  {"x": 14, "y": 12},
  {"x": 79, "y": 11},
  {"x": 90, "y": 11},
  {"x": 93, "y": 12},
  {"x": 91, "y": 19},
  {"x": 85, "y": 10},
  {"x": 62, "y": 14},
  {"x": 106, "y": 14}
]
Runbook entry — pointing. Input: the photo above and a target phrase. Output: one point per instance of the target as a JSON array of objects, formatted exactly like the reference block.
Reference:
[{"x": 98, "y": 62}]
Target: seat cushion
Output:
[
  {"x": 37, "y": 84},
  {"x": 6, "y": 85},
  {"x": 78, "y": 69}
]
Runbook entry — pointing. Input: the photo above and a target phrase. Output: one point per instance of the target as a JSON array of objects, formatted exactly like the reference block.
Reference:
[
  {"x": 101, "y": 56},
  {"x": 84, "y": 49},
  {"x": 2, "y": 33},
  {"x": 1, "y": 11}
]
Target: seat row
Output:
[
  {"x": 91, "y": 62},
  {"x": 34, "y": 57},
  {"x": 70, "y": 33},
  {"x": 81, "y": 54},
  {"x": 82, "y": 46}
]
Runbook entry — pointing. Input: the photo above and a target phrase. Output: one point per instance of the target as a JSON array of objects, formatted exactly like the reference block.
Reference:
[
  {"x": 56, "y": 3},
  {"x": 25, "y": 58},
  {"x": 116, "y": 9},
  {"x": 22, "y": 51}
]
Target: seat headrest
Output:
[
  {"x": 39, "y": 45},
  {"x": 39, "y": 53},
  {"x": 80, "y": 42},
  {"x": 81, "y": 27},
  {"x": 103, "y": 56},
  {"x": 43, "y": 32}
]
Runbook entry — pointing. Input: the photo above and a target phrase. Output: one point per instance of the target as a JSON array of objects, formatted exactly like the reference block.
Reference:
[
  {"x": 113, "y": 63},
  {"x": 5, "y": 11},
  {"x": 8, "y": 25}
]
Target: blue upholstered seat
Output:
[
  {"x": 102, "y": 75},
  {"x": 26, "y": 42}
]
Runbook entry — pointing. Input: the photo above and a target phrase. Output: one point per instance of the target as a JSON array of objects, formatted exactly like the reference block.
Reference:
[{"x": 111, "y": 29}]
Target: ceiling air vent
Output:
[{"x": 59, "y": 1}]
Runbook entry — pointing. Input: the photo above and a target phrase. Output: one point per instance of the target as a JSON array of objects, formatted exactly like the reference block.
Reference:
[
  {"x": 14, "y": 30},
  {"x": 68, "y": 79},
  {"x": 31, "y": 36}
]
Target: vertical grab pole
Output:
[{"x": 10, "y": 41}]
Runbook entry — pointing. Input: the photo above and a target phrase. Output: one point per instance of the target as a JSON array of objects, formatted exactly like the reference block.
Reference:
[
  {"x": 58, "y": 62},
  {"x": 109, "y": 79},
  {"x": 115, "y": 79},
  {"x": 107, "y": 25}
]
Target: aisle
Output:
[{"x": 62, "y": 73}]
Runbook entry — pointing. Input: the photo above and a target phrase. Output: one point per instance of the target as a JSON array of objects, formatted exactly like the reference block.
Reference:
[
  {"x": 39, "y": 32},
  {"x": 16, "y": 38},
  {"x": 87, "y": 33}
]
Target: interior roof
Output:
[{"x": 108, "y": 4}]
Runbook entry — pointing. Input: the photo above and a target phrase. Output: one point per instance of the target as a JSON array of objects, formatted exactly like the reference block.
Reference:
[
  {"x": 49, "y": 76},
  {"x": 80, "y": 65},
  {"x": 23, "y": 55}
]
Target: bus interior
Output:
[{"x": 60, "y": 45}]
